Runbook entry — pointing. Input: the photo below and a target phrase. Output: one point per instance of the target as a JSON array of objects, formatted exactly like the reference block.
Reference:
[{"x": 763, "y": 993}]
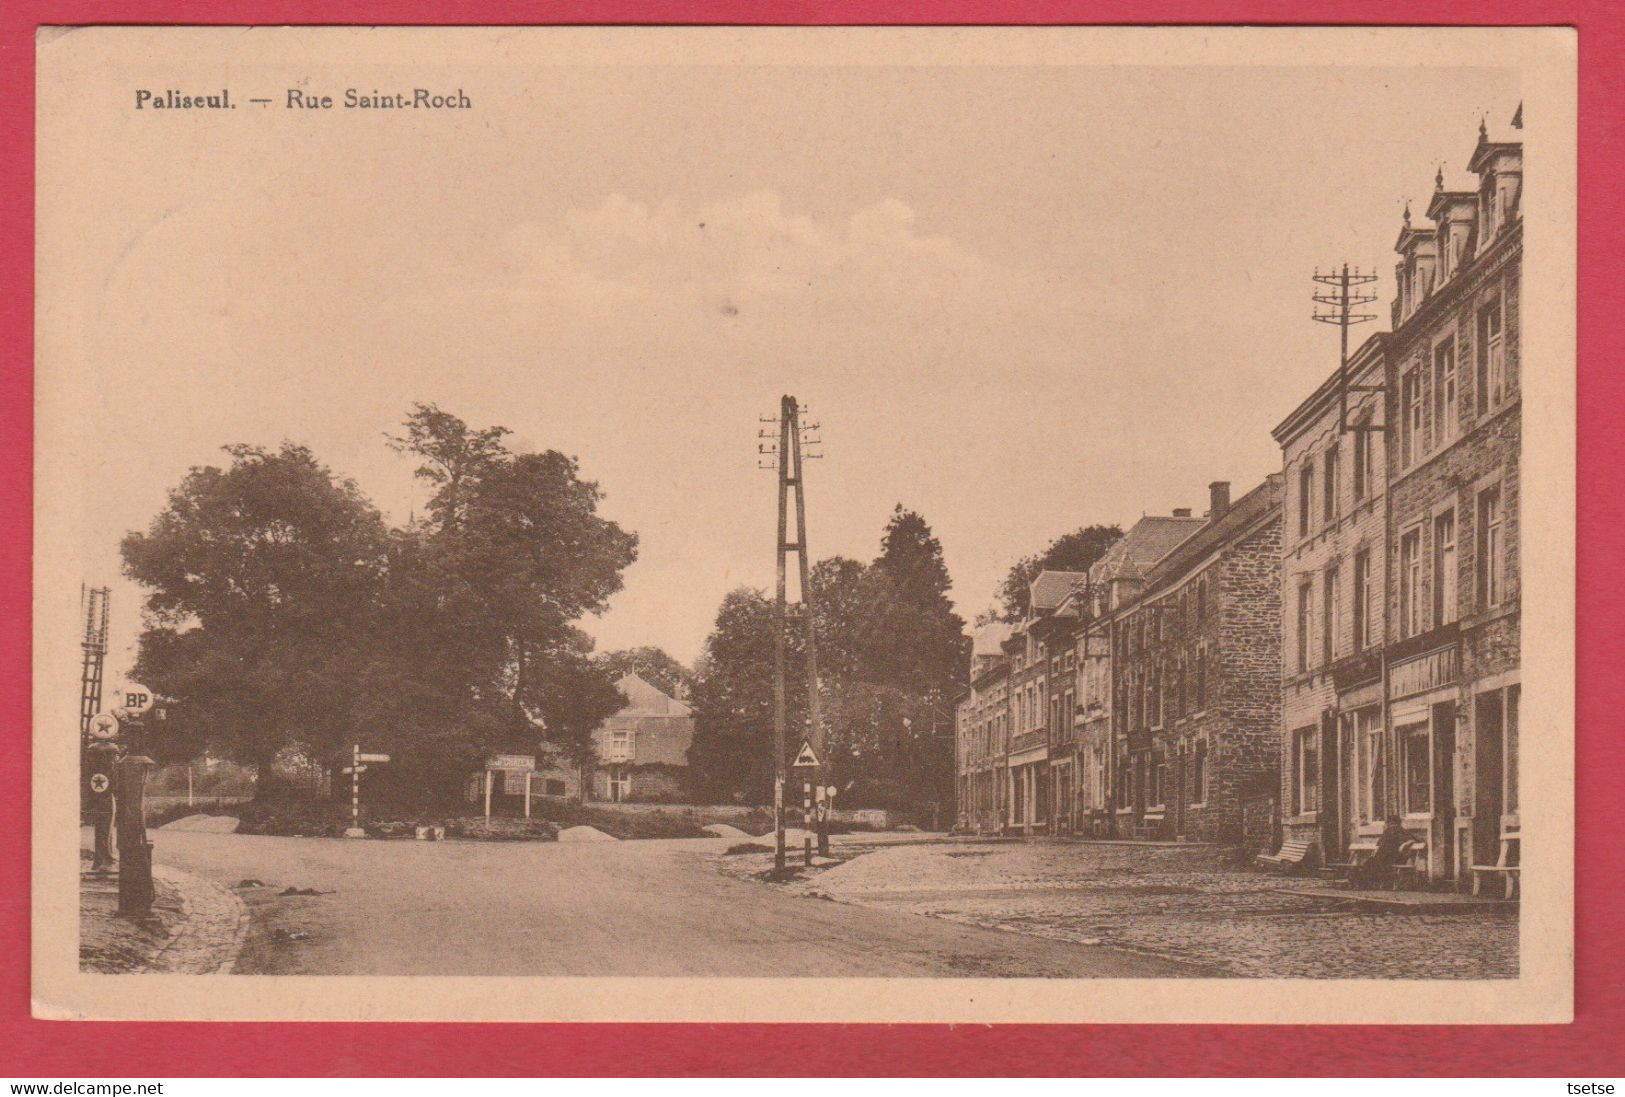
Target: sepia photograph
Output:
[{"x": 804, "y": 524}]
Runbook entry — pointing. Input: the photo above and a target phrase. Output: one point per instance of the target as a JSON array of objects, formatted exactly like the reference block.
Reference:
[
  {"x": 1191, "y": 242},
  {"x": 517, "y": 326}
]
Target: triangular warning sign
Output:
[{"x": 806, "y": 758}]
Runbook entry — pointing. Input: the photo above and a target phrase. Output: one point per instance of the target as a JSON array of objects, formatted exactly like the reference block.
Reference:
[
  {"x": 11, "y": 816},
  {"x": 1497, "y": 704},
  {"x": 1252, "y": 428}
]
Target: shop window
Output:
[
  {"x": 1416, "y": 742},
  {"x": 1509, "y": 753},
  {"x": 1306, "y": 770},
  {"x": 1372, "y": 794}
]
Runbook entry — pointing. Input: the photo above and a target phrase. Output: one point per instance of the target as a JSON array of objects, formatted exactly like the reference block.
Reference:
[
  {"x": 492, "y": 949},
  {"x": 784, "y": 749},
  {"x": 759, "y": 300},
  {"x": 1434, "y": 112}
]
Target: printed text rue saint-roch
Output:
[{"x": 299, "y": 99}]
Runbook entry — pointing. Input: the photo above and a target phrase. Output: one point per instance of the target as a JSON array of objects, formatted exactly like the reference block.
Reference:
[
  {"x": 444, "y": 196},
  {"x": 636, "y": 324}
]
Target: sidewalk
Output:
[
  {"x": 195, "y": 927},
  {"x": 1179, "y": 902}
]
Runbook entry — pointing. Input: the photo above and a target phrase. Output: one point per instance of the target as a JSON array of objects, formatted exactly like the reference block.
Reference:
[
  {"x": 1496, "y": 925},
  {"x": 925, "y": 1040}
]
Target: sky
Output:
[{"x": 1017, "y": 299}]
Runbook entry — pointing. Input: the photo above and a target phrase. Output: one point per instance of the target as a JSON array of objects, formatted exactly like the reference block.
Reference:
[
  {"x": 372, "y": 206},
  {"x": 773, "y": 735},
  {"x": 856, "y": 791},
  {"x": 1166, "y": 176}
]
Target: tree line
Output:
[{"x": 283, "y": 611}]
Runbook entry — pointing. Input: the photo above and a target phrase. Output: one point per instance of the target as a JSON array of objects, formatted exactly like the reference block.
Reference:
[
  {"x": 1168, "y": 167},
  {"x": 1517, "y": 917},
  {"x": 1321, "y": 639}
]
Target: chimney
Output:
[
  {"x": 1218, "y": 494},
  {"x": 1182, "y": 512}
]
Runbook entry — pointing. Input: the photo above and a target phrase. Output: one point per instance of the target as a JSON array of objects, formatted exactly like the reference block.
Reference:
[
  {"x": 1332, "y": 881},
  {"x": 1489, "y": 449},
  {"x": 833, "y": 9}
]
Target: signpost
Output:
[
  {"x": 510, "y": 766},
  {"x": 355, "y": 769},
  {"x": 807, "y": 759}
]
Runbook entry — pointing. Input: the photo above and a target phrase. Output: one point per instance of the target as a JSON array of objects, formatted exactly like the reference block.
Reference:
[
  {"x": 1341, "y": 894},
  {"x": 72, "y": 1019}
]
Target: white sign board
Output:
[
  {"x": 806, "y": 757},
  {"x": 520, "y": 762}
]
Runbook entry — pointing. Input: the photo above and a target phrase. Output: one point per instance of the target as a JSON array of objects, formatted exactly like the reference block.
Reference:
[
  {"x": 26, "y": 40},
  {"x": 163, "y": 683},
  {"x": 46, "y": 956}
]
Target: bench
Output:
[
  {"x": 1411, "y": 867},
  {"x": 1506, "y": 865},
  {"x": 1294, "y": 853},
  {"x": 1344, "y": 869},
  {"x": 1146, "y": 829}
]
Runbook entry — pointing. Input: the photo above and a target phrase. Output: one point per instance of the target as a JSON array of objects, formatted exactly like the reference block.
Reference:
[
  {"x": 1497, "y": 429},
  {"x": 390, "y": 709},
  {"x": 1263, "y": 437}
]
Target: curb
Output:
[{"x": 214, "y": 924}]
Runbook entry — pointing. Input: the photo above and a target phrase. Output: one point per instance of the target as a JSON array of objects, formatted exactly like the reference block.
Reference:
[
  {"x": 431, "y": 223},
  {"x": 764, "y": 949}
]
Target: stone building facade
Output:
[
  {"x": 1115, "y": 582},
  {"x": 1453, "y": 452},
  {"x": 1197, "y": 667},
  {"x": 982, "y": 729},
  {"x": 643, "y": 749},
  {"x": 1334, "y": 563},
  {"x": 1420, "y": 722}
]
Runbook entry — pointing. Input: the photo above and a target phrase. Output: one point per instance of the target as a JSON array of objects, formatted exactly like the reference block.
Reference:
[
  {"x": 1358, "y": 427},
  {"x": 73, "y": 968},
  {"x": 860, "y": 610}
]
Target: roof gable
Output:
[{"x": 643, "y": 699}]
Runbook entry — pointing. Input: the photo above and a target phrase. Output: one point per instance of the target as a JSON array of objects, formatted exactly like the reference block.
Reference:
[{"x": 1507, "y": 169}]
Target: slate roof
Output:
[
  {"x": 1051, "y": 588},
  {"x": 1146, "y": 542}
]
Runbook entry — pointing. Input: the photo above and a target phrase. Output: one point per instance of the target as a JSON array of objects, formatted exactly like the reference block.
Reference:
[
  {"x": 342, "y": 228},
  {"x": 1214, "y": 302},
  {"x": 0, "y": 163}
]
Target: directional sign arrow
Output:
[
  {"x": 373, "y": 757},
  {"x": 353, "y": 769}
]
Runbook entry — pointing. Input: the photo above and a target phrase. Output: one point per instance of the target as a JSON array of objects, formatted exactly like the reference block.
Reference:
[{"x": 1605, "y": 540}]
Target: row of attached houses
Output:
[{"x": 1337, "y": 647}]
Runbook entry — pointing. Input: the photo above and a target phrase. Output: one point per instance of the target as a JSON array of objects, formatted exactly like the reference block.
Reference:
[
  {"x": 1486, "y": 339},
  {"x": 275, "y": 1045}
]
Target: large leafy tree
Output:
[
  {"x": 282, "y": 611},
  {"x": 889, "y": 650},
  {"x": 733, "y": 701},
  {"x": 514, "y": 553},
  {"x": 653, "y": 665},
  {"x": 263, "y": 577},
  {"x": 1074, "y": 551}
]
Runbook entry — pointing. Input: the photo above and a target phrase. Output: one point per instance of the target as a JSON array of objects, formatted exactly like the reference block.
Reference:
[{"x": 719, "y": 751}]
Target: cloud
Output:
[{"x": 749, "y": 254}]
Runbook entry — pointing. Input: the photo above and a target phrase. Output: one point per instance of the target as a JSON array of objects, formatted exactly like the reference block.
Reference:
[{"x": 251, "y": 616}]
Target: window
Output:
[
  {"x": 1306, "y": 770},
  {"x": 1306, "y": 493},
  {"x": 1444, "y": 392},
  {"x": 1509, "y": 754},
  {"x": 1491, "y": 548},
  {"x": 1305, "y": 594},
  {"x": 1410, "y": 583},
  {"x": 1415, "y": 741},
  {"x": 1329, "y": 492},
  {"x": 1199, "y": 773},
  {"x": 1201, "y": 679},
  {"x": 1491, "y": 358},
  {"x": 1444, "y": 568},
  {"x": 1362, "y": 599},
  {"x": 1331, "y": 618},
  {"x": 1362, "y": 462},
  {"x": 1373, "y": 789},
  {"x": 1410, "y": 427}
]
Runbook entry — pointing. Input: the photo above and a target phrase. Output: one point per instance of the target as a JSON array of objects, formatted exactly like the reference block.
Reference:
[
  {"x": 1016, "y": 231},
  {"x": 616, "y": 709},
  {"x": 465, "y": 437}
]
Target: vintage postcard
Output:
[{"x": 854, "y": 524}]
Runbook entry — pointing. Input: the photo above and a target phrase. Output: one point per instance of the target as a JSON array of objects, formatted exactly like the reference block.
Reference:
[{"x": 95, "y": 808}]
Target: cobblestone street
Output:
[{"x": 1174, "y": 902}]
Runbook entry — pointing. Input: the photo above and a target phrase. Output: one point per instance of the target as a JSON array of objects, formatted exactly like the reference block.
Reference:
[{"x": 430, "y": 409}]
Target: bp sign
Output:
[{"x": 130, "y": 700}]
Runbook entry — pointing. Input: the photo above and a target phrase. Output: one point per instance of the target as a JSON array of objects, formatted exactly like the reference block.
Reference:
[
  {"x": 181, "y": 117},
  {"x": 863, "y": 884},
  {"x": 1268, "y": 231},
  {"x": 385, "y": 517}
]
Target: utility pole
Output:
[
  {"x": 788, "y": 458},
  {"x": 1337, "y": 305}
]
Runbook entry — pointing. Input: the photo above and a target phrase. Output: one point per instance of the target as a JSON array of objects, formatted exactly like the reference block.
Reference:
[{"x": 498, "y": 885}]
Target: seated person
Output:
[{"x": 1379, "y": 867}]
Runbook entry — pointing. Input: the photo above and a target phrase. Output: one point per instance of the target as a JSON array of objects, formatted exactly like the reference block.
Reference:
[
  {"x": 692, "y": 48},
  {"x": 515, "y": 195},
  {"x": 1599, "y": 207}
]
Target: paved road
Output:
[{"x": 626, "y": 908}]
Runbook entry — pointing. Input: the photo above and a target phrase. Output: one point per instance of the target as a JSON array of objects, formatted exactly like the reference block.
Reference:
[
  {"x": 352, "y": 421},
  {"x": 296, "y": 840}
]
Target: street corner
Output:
[{"x": 193, "y": 928}]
